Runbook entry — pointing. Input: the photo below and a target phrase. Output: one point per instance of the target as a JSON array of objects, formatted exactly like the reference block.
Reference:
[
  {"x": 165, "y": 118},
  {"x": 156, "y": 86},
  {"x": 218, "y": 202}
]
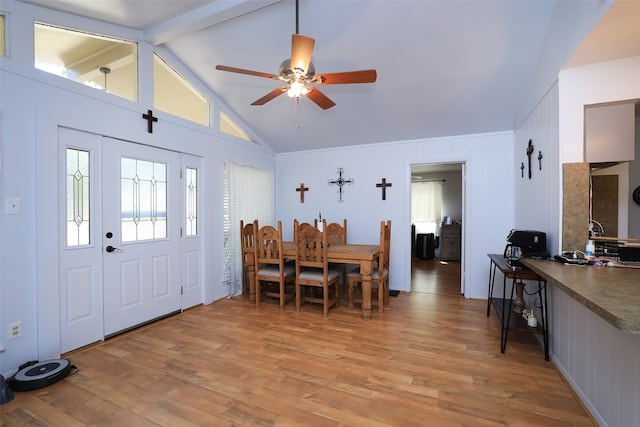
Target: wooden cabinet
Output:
[{"x": 450, "y": 240}]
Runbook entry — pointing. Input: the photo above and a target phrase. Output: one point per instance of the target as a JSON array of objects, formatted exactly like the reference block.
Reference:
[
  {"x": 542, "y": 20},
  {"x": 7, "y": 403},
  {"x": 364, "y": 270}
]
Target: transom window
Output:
[
  {"x": 2, "y": 36},
  {"x": 232, "y": 128},
  {"x": 174, "y": 94},
  {"x": 104, "y": 63}
]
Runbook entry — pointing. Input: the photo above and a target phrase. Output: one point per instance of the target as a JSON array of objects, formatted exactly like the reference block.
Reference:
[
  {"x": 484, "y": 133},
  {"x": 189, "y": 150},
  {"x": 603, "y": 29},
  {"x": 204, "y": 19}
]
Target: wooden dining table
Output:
[{"x": 363, "y": 255}]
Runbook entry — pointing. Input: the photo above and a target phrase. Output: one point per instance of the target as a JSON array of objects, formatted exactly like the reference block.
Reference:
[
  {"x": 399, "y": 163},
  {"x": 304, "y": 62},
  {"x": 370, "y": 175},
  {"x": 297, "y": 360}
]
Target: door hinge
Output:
[
  {"x": 180, "y": 231},
  {"x": 180, "y": 173},
  {"x": 181, "y": 290}
]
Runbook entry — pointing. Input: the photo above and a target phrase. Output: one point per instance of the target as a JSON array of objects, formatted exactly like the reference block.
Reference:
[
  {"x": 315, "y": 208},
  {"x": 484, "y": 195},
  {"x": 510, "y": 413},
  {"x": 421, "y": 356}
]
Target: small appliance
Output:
[{"x": 531, "y": 243}]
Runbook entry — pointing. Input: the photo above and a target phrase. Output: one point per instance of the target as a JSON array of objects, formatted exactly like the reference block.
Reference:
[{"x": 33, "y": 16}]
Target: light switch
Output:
[{"x": 12, "y": 206}]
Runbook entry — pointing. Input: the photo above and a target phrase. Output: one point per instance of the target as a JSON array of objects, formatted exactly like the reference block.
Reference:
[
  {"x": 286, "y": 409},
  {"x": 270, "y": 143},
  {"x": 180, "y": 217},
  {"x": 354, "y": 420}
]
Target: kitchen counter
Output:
[{"x": 610, "y": 292}]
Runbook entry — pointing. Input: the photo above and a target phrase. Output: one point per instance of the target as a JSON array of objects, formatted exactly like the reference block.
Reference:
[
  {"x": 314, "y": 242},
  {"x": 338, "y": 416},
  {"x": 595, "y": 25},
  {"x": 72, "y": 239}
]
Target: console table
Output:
[{"x": 504, "y": 307}]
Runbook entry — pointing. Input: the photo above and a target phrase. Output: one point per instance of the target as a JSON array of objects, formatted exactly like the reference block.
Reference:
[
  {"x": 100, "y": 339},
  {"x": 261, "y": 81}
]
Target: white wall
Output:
[
  {"x": 33, "y": 105},
  {"x": 538, "y": 200},
  {"x": 488, "y": 195},
  {"x": 598, "y": 360},
  {"x": 592, "y": 84}
]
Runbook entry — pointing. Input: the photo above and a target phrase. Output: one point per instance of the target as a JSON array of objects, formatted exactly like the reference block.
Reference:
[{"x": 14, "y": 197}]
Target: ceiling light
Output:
[{"x": 297, "y": 89}]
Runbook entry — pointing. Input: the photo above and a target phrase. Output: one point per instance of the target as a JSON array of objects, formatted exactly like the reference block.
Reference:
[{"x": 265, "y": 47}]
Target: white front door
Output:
[
  {"x": 141, "y": 234},
  {"x": 80, "y": 238}
]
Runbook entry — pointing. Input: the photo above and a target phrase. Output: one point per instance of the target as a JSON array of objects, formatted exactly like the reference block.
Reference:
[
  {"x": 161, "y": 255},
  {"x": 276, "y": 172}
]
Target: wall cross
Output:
[
  {"x": 529, "y": 153},
  {"x": 340, "y": 182},
  {"x": 150, "y": 119},
  {"x": 302, "y": 189},
  {"x": 384, "y": 184}
]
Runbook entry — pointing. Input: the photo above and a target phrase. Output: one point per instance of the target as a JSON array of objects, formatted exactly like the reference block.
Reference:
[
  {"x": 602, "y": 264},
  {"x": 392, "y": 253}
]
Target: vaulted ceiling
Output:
[{"x": 443, "y": 67}]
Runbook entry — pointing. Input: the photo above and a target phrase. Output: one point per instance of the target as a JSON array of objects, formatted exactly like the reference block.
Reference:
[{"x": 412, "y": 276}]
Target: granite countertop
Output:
[{"x": 610, "y": 292}]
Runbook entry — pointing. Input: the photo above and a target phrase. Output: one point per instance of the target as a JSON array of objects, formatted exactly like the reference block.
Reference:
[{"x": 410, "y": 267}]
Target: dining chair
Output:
[
  {"x": 337, "y": 235},
  {"x": 379, "y": 276},
  {"x": 247, "y": 252},
  {"x": 312, "y": 268},
  {"x": 271, "y": 268}
]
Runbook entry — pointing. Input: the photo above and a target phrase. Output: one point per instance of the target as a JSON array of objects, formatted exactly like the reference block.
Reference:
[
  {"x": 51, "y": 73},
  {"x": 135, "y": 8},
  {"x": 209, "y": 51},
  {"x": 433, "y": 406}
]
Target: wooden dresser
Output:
[{"x": 450, "y": 240}]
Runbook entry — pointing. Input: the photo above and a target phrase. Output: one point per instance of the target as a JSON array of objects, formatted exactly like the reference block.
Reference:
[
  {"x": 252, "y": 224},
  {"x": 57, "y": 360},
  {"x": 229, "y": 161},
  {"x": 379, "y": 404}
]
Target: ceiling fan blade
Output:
[
  {"x": 363, "y": 76},
  {"x": 268, "y": 97},
  {"x": 301, "y": 50},
  {"x": 319, "y": 98},
  {"x": 249, "y": 72}
]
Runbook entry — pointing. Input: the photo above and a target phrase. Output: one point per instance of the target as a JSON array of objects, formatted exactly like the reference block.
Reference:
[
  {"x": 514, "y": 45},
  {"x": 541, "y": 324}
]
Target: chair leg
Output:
[
  {"x": 298, "y": 297},
  {"x": 325, "y": 300},
  {"x": 282, "y": 286},
  {"x": 258, "y": 292}
]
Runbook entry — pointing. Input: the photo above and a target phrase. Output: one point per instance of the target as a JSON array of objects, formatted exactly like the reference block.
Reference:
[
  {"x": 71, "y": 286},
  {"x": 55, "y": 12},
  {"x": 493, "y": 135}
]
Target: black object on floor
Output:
[
  {"x": 393, "y": 293},
  {"x": 40, "y": 374},
  {"x": 6, "y": 395}
]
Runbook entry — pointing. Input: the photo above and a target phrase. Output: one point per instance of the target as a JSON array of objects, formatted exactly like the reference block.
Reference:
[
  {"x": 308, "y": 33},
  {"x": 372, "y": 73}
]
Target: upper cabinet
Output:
[{"x": 610, "y": 132}]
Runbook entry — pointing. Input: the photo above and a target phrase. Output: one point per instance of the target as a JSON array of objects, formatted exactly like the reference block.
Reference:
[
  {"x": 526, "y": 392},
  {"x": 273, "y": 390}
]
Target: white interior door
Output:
[{"x": 141, "y": 234}]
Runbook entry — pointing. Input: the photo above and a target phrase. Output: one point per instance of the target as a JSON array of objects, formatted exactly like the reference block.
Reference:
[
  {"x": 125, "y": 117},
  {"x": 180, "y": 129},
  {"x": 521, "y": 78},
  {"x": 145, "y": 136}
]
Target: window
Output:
[
  {"x": 232, "y": 128},
  {"x": 249, "y": 194},
  {"x": 143, "y": 208},
  {"x": 175, "y": 95},
  {"x": 3, "y": 49},
  {"x": 191, "y": 192},
  {"x": 104, "y": 63},
  {"x": 426, "y": 206},
  {"x": 78, "y": 193}
]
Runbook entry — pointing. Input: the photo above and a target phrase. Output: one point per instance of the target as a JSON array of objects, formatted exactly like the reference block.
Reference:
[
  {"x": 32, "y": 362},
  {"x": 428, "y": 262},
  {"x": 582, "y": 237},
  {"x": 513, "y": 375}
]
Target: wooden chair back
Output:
[
  {"x": 247, "y": 253},
  {"x": 270, "y": 262},
  {"x": 268, "y": 244},
  {"x": 312, "y": 267},
  {"x": 311, "y": 246},
  {"x": 336, "y": 233}
]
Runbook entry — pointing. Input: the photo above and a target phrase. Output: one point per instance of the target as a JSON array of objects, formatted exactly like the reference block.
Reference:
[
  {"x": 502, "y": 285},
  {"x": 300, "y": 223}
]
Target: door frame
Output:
[
  {"x": 464, "y": 165},
  {"x": 47, "y": 118}
]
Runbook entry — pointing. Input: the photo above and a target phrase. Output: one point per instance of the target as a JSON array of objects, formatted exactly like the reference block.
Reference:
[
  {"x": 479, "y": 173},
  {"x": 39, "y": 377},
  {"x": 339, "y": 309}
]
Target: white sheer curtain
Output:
[
  {"x": 426, "y": 206},
  {"x": 249, "y": 194}
]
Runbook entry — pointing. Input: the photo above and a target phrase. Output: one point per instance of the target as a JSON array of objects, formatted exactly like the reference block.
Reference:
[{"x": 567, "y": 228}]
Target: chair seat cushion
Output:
[
  {"x": 317, "y": 275},
  {"x": 273, "y": 271}
]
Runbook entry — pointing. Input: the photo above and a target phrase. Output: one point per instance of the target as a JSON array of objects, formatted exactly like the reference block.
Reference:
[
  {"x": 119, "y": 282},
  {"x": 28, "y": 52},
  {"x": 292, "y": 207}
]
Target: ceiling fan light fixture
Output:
[{"x": 297, "y": 89}]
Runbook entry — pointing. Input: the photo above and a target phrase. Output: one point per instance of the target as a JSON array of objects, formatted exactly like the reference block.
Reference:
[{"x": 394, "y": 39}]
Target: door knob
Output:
[{"x": 111, "y": 249}]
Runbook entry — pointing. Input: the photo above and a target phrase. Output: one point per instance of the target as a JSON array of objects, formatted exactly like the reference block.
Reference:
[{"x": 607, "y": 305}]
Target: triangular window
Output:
[{"x": 174, "y": 94}]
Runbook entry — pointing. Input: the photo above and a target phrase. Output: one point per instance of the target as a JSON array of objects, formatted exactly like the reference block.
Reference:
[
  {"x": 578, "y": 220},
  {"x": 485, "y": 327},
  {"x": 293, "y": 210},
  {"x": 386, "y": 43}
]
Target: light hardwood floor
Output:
[{"x": 433, "y": 359}]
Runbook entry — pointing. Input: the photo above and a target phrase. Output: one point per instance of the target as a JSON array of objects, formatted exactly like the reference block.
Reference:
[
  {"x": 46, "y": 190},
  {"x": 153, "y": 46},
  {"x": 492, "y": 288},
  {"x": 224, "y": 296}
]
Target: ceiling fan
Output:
[{"x": 299, "y": 74}]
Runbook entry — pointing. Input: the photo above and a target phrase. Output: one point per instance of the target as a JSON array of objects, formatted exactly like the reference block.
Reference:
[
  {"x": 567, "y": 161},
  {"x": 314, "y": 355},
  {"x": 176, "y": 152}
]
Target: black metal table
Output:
[{"x": 504, "y": 307}]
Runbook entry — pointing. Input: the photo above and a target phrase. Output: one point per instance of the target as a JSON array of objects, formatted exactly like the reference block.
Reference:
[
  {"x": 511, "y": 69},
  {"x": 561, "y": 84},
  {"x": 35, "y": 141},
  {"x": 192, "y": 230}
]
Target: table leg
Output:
[
  {"x": 492, "y": 278},
  {"x": 365, "y": 271}
]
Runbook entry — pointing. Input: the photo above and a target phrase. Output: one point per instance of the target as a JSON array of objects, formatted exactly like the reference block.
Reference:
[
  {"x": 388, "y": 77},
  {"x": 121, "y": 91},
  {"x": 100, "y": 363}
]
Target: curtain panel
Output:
[{"x": 249, "y": 194}]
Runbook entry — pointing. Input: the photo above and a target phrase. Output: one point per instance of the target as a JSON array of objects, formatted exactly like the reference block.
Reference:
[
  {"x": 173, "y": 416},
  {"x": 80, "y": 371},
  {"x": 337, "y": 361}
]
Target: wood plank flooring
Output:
[{"x": 433, "y": 359}]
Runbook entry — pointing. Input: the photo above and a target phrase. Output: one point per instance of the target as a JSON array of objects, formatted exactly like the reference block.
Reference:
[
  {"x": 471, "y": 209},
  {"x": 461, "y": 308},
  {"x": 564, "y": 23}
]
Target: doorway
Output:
[
  {"x": 437, "y": 230},
  {"x": 122, "y": 258}
]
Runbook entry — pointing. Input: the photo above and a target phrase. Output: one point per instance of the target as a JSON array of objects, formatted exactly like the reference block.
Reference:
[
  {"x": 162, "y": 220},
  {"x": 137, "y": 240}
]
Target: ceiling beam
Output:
[{"x": 206, "y": 16}]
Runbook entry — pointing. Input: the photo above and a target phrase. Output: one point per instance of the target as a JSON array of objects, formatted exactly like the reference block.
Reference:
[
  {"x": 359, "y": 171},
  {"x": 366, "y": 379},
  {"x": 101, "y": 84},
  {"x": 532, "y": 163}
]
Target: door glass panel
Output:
[
  {"x": 191, "y": 192},
  {"x": 143, "y": 205},
  {"x": 78, "y": 194}
]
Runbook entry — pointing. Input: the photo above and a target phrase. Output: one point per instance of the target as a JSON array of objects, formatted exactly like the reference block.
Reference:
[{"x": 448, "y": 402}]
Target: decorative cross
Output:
[
  {"x": 384, "y": 184},
  {"x": 340, "y": 182},
  {"x": 529, "y": 153},
  {"x": 302, "y": 189},
  {"x": 150, "y": 119},
  {"x": 540, "y": 160}
]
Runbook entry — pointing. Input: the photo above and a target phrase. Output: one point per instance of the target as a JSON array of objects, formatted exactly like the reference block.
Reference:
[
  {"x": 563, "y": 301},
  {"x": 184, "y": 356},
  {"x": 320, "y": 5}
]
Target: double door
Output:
[{"x": 122, "y": 255}]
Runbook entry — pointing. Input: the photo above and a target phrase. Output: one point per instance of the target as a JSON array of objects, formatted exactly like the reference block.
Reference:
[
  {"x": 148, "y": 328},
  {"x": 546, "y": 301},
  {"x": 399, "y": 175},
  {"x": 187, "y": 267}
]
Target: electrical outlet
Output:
[{"x": 15, "y": 330}]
